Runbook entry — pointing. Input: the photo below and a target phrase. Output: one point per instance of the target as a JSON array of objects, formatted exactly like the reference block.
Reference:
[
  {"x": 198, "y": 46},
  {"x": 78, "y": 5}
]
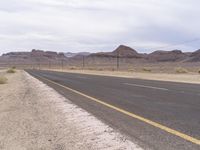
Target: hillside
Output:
[
  {"x": 32, "y": 57},
  {"x": 194, "y": 57},
  {"x": 167, "y": 56},
  {"x": 121, "y": 51},
  {"x": 156, "y": 56},
  {"x": 70, "y": 55}
]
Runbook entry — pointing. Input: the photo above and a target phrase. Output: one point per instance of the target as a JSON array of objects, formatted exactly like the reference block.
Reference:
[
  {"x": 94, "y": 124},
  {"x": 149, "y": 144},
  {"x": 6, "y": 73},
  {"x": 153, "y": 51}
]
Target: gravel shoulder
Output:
[
  {"x": 35, "y": 117},
  {"x": 184, "y": 78}
]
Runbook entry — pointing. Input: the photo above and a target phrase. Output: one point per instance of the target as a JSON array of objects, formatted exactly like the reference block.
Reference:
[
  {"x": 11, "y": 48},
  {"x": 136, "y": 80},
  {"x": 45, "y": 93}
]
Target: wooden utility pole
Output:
[
  {"x": 49, "y": 64},
  {"x": 62, "y": 64},
  {"x": 117, "y": 60},
  {"x": 83, "y": 65},
  {"x": 39, "y": 66}
]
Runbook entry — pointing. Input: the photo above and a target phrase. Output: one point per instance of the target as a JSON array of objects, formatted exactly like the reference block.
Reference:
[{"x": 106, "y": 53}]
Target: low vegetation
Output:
[
  {"x": 146, "y": 69},
  {"x": 3, "y": 80},
  {"x": 199, "y": 71},
  {"x": 112, "y": 69},
  {"x": 101, "y": 69},
  {"x": 181, "y": 70},
  {"x": 73, "y": 68},
  {"x": 11, "y": 70},
  {"x": 90, "y": 68},
  {"x": 131, "y": 70}
]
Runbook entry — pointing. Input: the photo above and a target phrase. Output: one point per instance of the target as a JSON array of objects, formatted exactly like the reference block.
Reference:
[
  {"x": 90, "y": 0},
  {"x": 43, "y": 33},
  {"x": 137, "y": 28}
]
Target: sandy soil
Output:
[
  {"x": 185, "y": 78},
  {"x": 35, "y": 117}
]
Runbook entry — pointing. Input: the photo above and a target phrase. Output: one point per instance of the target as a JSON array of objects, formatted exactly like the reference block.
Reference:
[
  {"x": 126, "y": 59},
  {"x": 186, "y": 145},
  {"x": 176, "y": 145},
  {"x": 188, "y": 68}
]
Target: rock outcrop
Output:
[{"x": 121, "y": 51}]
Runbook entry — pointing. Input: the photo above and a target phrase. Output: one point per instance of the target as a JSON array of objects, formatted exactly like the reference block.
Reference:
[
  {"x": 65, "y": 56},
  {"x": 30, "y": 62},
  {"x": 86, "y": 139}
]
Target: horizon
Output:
[
  {"x": 98, "y": 51},
  {"x": 99, "y": 26}
]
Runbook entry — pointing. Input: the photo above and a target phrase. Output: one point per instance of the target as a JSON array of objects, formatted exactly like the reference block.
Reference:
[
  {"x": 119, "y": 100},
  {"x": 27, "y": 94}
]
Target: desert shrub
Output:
[
  {"x": 181, "y": 70},
  {"x": 131, "y": 70},
  {"x": 199, "y": 71},
  {"x": 11, "y": 70},
  {"x": 100, "y": 69},
  {"x": 90, "y": 68},
  {"x": 3, "y": 80},
  {"x": 73, "y": 68},
  {"x": 13, "y": 67},
  {"x": 146, "y": 69}
]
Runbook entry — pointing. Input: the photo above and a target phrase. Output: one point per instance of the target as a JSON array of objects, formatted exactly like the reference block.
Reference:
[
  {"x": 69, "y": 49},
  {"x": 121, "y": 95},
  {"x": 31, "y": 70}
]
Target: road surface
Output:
[{"x": 155, "y": 114}]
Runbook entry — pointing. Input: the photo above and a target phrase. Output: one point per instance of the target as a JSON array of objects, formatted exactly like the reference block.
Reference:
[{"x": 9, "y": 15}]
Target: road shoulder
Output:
[{"x": 34, "y": 116}]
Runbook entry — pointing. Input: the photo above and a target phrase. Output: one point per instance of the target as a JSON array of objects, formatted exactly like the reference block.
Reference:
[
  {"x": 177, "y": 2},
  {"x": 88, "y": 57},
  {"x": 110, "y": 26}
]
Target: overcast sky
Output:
[{"x": 99, "y": 25}]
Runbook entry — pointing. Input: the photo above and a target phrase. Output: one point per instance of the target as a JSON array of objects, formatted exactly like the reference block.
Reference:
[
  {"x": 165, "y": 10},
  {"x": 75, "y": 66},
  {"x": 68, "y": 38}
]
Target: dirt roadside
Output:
[
  {"x": 184, "y": 78},
  {"x": 35, "y": 117}
]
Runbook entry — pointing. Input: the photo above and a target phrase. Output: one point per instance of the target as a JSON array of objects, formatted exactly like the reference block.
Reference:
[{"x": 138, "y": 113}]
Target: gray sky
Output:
[{"x": 99, "y": 25}]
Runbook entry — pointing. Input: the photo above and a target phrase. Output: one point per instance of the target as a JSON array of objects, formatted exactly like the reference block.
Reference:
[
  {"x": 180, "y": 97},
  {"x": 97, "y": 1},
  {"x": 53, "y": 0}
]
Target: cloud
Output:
[{"x": 93, "y": 25}]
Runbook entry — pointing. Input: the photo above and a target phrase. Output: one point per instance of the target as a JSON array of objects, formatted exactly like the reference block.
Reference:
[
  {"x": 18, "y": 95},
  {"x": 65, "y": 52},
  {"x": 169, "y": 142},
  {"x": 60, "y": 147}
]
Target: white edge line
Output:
[{"x": 144, "y": 86}]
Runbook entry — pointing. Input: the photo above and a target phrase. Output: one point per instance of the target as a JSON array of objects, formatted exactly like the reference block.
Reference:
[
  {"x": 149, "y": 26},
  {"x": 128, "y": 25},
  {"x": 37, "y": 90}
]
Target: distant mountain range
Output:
[
  {"x": 157, "y": 56},
  {"x": 70, "y": 55},
  {"x": 34, "y": 54},
  {"x": 122, "y": 52}
]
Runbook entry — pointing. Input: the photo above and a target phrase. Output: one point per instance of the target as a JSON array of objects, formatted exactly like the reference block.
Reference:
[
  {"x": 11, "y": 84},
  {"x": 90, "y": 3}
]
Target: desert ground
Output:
[
  {"x": 165, "y": 71},
  {"x": 35, "y": 117}
]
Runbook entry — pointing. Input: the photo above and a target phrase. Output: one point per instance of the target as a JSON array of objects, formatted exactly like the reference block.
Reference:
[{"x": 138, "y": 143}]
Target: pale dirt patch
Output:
[
  {"x": 184, "y": 78},
  {"x": 35, "y": 117}
]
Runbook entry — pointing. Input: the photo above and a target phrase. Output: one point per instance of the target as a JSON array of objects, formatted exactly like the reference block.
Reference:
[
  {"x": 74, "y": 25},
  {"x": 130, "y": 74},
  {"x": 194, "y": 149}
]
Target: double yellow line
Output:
[{"x": 155, "y": 124}]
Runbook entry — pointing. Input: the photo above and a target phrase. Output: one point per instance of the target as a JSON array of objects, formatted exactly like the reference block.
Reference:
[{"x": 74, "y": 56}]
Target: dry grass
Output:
[
  {"x": 181, "y": 70},
  {"x": 3, "y": 80},
  {"x": 131, "y": 70},
  {"x": 73, "y": 68},
  {"x": 11, "y": 70},
  {"x": 146, "y": 69}
]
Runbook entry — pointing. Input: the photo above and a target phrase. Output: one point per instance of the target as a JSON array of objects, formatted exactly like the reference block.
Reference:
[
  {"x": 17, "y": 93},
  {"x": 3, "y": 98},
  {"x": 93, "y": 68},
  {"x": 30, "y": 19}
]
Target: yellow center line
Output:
[{"x": 155, "y": 124}]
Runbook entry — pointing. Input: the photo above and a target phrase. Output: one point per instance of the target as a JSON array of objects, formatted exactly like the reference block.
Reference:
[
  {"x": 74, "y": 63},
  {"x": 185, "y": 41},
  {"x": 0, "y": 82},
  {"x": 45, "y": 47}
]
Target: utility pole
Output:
[
  {"x": 83, "y": 65},
  {"x": 62, "y": 63},
  {"x": 39, "y": 66},
  {"x": 49, "y": 64},
  {"x": 117, "y": 60}
]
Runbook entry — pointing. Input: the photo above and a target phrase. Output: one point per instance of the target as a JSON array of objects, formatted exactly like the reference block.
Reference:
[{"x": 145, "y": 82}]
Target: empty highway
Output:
[{"x": 154, "y": 114}]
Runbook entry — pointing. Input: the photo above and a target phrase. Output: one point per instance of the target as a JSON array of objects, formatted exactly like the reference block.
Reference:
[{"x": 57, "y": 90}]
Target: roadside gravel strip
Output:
[{"x": 35, "y": 117}]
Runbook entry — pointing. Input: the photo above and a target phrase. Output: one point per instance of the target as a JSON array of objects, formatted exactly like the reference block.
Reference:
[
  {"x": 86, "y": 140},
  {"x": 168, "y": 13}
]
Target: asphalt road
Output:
[{"x": 172, "y": 105}]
